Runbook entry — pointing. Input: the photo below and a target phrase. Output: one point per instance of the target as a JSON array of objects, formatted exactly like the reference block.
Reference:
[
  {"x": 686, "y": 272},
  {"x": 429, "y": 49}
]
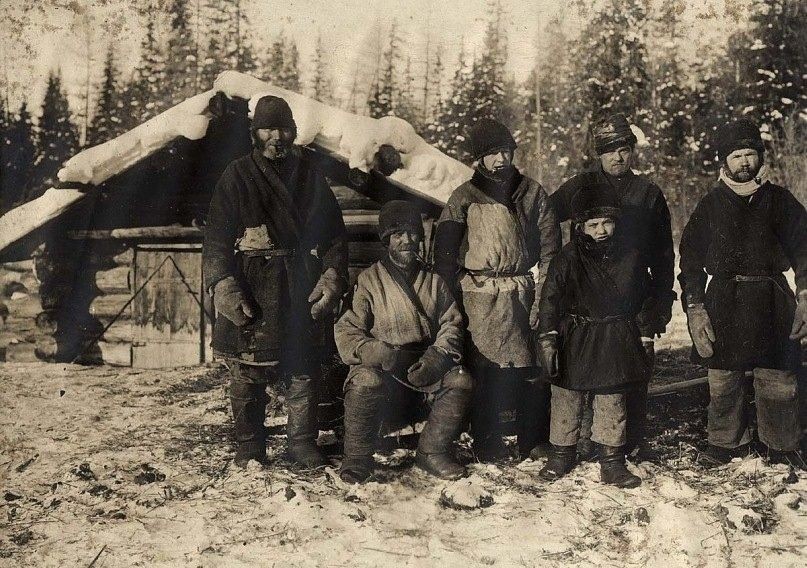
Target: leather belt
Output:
[
  {"x": 496, "y": 273},
  {"x": 267, "y": 253},
  {"x": 578, "y": 319}
]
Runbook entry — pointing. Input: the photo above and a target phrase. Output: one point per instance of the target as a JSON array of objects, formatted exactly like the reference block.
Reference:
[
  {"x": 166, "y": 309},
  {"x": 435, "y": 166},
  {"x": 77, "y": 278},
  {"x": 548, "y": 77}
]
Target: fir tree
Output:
[
  {"x": 143, "y": 96},
  {"x": 406, "y": 107},
  {"x": 290, "y": 72},
  {"x": 237, "y": 48},
  {"x": 383, "y": 94},
  {"x": 447, "y": 132},
  {"x": 106, "y": 122},
  {"x": 57, "y": 140},
  {"x": 17, "y": 159},
  {"x": 181, "y": 69},
  {"x": 275, "y": 59},
  {"x": 217, "y": 19},
  {"x": 320, "y": 87}
]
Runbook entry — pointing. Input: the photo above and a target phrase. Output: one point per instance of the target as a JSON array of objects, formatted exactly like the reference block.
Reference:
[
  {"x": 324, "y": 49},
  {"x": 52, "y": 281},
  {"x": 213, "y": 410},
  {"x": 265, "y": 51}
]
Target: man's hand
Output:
[
  {"x": 700, "y": 329},
  {"x": 548, "y": 353},
  {"x": 231, "y": 302},
  {"x": 430, "y": 368},
  {"x": 325, "y": 295},
  {"x": 534, "y": 319},
  {"x": 376, "y": 353},
  {"x": 799, "y": 330}
]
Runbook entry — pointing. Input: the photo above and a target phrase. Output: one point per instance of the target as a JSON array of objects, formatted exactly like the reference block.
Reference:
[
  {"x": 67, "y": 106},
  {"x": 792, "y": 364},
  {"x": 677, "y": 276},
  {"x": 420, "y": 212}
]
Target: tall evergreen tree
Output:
[
  {"x": 238, "y": 49},
  {"x": 216, "y": 21},
  {"x": 320, "y": 86},
  {"x": 406, "y": 107},
  {"x": 290, "y": 71},
  {"x": 106, "y": 121},
  {"x": 144, "y": 94},
  {"x": 57, "y": 138},
  {"x": 18, "y": 157},
  {"x": 181, "y": 68},
  {"x": 275, "y": 59},
  {"x": 384, "y": 91},
  {"x": 447, "y": 131}
]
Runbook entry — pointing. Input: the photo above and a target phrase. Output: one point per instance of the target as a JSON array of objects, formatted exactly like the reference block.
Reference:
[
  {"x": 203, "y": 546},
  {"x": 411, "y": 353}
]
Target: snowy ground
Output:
[{"x": 134, "y": 467}]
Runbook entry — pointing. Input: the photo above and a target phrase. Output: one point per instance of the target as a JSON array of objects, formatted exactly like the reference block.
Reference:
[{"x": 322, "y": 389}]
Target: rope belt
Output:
[
  {"x": 580, "y": 319},
  {"x": 496, "y": 273},
  {"x": 267, "y": 253}
]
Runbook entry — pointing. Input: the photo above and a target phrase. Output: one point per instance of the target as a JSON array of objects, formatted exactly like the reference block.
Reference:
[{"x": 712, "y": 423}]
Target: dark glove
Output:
[
  {"x": 231, "y": 302},
  {"x": 649, "y": 349},
  {"x": 700, "y": 329},
  {"x": 430, "y": 368},
  {"x": 326, "y": 294},
  {"x": 548, "y": 353},
  {"x": 799, "y": 330},
  {"x": 376, "y": 353}
]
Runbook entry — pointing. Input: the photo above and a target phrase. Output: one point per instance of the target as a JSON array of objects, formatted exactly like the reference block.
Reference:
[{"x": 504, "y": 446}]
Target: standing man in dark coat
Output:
[
  {"x": 745, "y": 233},
  {"x": 589, "y": 341},
  {"x": 645, "y": 225},
  {"x": 493, "y": 244},
  {"x": 275, "y": 261}
]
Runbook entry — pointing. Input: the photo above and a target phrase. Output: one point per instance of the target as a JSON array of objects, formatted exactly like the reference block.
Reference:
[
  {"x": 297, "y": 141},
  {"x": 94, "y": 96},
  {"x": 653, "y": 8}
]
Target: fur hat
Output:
[
  {"x": 487, "y": 136},
  {"x": 611, "y": 133},
  {"x": 737, "y": 135},
  {"x": 594, "y": 201},
  {"x": 272, "y": 112},
  {"x": 398, "y": 215}
]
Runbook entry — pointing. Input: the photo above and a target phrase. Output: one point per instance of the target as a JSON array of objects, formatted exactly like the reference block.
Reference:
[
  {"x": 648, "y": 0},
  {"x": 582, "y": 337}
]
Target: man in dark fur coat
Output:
[
  {"x": 745, "y": 233},
  {"x": 645, "y": 225},
  {"x": 275, "y": 261}
]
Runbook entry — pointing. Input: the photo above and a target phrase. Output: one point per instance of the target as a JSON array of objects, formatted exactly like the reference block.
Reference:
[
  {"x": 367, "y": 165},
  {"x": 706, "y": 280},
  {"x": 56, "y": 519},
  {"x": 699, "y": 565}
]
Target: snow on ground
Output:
[{"x": 133, "y": 466}]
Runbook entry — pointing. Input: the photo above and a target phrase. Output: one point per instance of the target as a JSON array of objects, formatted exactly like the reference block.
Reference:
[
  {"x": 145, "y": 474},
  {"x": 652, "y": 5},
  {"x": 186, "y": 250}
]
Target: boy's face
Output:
[
  {"x": 498, "y": 160},
  {"x": 403, "y": 247},
  {"x": 600, "y": 228}
]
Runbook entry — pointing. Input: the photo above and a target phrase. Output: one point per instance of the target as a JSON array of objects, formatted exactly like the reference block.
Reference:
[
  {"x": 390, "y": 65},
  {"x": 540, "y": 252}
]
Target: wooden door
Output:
[{"x": 169, "y": 322}]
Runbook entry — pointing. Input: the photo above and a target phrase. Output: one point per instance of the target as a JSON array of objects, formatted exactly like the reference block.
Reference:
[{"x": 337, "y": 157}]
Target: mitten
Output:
[
  {"x": 376, "y": 353},
  {"x": 700, "y": 329},
  {"x": 231, "y": 302},
  {"x": 326, "y": 294},
  {"x": 548, "y": 353},
  {"x": 430, "y": 368}
]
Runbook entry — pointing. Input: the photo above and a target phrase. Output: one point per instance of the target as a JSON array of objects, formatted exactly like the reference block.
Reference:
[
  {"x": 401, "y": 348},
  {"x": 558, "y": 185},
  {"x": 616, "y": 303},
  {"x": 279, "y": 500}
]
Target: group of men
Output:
[{"x": 503, "y": 317}]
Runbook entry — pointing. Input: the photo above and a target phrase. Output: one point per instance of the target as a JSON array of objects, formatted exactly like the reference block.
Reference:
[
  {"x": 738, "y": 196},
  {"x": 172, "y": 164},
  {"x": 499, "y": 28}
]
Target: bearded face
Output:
[
  {"x": 403, "y": 247},
  {"x": 274, "y": 143},
  {"x": 743, "y": 165}
]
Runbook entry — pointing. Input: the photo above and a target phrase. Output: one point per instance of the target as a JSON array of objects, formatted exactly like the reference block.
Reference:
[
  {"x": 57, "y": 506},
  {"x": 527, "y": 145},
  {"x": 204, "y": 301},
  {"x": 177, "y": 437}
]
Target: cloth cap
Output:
[
  {"x": 594, "y": 201},
  {"x": 487, "y": 136},
  {"x": 272, "y": 112},
  {"x": 737, "y": 135},
  {"x": 398, "y": 215},
  {"x": 611, "y": 133}
]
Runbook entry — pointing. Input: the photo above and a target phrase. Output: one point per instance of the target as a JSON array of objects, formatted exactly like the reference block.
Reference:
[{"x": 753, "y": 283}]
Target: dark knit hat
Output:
[
  {"x": 487, "y": 136},
  {"x": 594, "y": 201},
  {"x": 737, "y": 135},
  {"x": 611, "y": 133},
  {"x": 398, "y": 215},
  {"x": 272, "y": 112}
]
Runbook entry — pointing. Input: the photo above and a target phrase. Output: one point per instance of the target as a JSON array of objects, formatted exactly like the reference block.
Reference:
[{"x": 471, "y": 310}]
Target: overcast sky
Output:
[{"x": 39, "y": 35}]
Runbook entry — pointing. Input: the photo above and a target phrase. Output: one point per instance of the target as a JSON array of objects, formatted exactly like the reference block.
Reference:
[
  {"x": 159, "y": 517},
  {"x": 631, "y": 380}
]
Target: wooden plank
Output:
[
  {"x": 108, "y": 305},
  {"x": 114, "y": 281},
  {"x": 157, "y": 354},
  {"x": 116, "y": 353},
  {"x": 168, "y": 232}
]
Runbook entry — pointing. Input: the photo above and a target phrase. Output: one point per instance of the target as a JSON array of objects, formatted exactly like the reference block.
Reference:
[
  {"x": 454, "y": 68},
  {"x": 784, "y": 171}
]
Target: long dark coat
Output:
[
  {"x": 756, "y": 239},
  {"x": 289, "y": 207},
  {"x": 592, "y": 297},
  {"x": 645, "y": 225}
]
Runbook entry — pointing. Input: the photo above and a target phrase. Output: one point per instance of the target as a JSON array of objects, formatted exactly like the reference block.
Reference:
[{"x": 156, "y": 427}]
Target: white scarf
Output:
[{"x": 745, "y": 188}]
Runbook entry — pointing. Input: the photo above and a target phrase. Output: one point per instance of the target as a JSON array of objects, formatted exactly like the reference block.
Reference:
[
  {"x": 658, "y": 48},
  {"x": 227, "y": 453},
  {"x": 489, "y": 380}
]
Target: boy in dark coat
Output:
[
  {"x": 645, "y": 225},
  {"x": 275, "y": 261},
  {"x": 403, "y": 336},
  {"x": 493, "y": 244},
  {"x": 745, "y": 233},
  {"x": 589, "y": 340}
]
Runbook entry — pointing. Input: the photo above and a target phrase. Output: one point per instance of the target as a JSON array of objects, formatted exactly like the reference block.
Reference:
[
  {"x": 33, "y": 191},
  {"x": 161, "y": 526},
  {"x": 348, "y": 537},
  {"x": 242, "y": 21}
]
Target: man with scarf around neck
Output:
[
  {"x": 744, "y": 234},
  {"x": 589, "y": 340},
  {"x": 403, "y": 338},
  {"x": 645, "y": 224},
  {"x": 275, "y": 261},
  {"x": 493, "y": 243}
]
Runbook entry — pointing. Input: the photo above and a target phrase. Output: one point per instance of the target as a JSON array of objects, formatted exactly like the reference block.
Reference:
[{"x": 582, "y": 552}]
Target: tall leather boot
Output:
[
  {"x": 561, "y": 461},
  {"x": 532, "y": 414},
  {"x": 613, "y": 470},
  {"x": 301, "y": 428},
  {"x": 486, "y": 427},
  {"x": 248, "y": 401},
  {"x": 362, "y": 407},
  {"x": 434, "y": 453}
]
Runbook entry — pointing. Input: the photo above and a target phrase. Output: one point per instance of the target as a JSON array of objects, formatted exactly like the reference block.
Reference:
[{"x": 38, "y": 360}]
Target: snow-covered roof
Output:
[{"x": 354, "y": 139}]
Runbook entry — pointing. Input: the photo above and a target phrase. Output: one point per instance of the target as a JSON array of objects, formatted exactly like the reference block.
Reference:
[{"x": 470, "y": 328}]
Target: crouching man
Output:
[
  {"x": 403, "y": 329},
  {"x": 745, "y": 233},
  {"x": 589, "y": 339}
]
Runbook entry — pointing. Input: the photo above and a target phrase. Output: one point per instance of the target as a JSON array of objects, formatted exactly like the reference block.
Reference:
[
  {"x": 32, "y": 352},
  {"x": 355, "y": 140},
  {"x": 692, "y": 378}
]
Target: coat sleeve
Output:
[
  {"x": 448, "y": 237},
  {"x": 560, "y": 200},
  {"x": 662, "y": 261},
  {"x": 333, "y": 246},
  {"x": 352, "y": 330},
  {"x": 792, "y": 232},
  {"x": 551, "y": 306},
  {"x": 549, "y": 231},
  {"x": 450, "y": 335},
  {"x": 694, "y": 247},
  {"x": 218, "y": 252}
]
